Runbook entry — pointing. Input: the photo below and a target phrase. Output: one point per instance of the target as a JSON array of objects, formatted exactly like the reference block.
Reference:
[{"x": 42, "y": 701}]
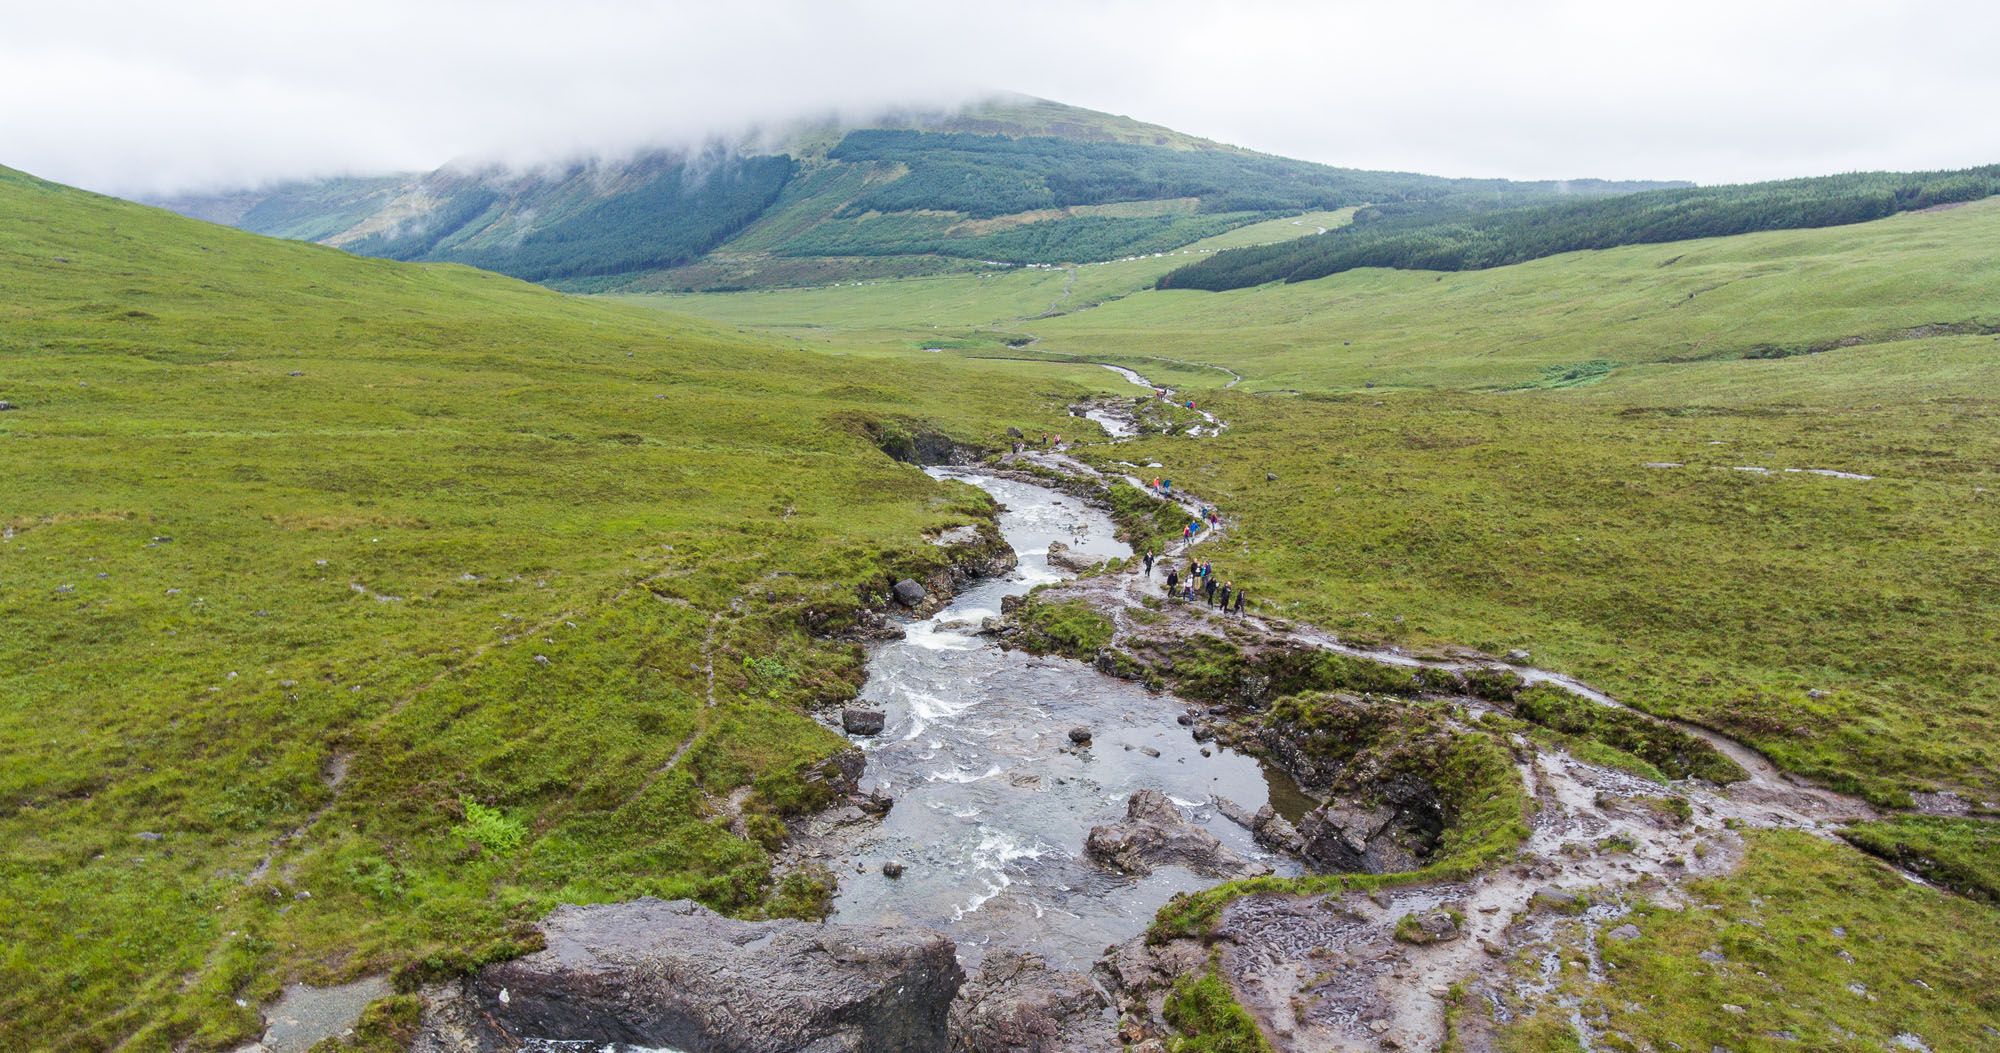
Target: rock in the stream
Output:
[
  {"x": 1155, "y": 833},
  {"x": 1062, "y": 558},
  {"x": 1274, "y": 831},
  {"x": 892, "y": 869},
  {"x": 856, "y": 721},
  {"x": 1080, "y": 735},
  {"x": 676, "y": 974},
  {"x": 909, "y": 593}
]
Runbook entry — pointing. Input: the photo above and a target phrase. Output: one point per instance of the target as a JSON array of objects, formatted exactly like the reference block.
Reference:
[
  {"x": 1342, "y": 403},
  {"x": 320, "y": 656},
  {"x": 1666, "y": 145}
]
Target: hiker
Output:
[
  {"x": 1167, "y": 485},
  {"x": 1239, "y": 601},
  {"x": 1187, "y": 532},
  {"x": 1225, "y": 597},
  {"x": 1149, "y": 562},
  {"x": 1173, "y": 580},
  {"x": 1208, "y": 587},
  {"x": 1188, "y": 593}
]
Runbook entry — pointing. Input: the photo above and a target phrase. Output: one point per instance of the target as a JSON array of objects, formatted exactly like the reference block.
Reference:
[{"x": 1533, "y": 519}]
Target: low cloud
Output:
[{"x": 155, "y": 98}]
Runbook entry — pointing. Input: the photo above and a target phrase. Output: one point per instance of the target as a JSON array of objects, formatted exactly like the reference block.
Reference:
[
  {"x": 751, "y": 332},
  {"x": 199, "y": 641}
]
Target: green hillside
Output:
[
  {"x": 1008, "y": 181},
  {"x": 354, "y": 613},
  {"x": 1419, "y": 235},
  {"x": 1463, "y": 458}
]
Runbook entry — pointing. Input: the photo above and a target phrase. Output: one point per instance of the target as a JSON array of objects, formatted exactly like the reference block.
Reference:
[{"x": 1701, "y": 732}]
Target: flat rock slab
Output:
[
  {"x": 653, "y": 972},
  {"x": 303, "y": 1016}
]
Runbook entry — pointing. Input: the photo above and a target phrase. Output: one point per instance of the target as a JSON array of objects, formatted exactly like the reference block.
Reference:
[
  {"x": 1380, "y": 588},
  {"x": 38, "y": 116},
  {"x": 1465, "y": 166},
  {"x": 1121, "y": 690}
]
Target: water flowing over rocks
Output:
[{"x": 674, "y": 974}]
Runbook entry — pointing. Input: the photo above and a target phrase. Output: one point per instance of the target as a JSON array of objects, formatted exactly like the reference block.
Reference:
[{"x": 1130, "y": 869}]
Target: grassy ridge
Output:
[
  {"x": 1756, "y": 295},
  {"x": 494, "y": 596}
]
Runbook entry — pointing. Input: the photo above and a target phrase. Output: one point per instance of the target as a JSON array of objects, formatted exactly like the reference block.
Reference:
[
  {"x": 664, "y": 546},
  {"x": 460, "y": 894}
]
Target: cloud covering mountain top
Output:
[{"x": 154, "y": 98}]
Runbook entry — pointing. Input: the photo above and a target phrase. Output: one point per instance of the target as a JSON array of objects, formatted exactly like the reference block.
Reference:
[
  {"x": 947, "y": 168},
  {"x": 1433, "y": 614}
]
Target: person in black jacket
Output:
[{"x": 1173, "y": 581}]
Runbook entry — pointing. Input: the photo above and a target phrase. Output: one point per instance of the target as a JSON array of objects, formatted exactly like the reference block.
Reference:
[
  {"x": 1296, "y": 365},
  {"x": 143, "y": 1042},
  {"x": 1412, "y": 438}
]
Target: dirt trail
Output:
[{"x": 1324, "y": 973}]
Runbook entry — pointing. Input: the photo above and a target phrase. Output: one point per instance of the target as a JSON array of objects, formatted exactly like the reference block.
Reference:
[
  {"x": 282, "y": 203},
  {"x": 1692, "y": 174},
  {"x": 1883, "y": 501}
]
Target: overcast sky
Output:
[{"x": 152, "y": 97}]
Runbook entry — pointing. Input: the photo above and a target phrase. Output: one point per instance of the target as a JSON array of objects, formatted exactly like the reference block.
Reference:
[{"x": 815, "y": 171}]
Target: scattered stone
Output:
[
  {"x": 1149, "y": 751},
  {"x": 857, "y": 721},
  {"x": 909, "y": 593},
  {"x": 1554, "y": 899},
  {"x": 1518, "y": 656},
  {"x": 1080, "y": 735},
  {"x": 541, "y": 659},
  {"x": 1712, "y": 957},
  {"x": 1015, "y": 433},
  {"x": 148, "y": 835},
  {"x": 676, "y": 974},
  {"x": 1270, "y": 477},
  {"x": 1431, "y": 926},
  {"x": 6, "y": 405},
  {"x": 1624, "y": 932},
  {"x": 1735, "y": 1010},
  {"x": 296, "y": 373},
  {"x": 892, "y": 869}
]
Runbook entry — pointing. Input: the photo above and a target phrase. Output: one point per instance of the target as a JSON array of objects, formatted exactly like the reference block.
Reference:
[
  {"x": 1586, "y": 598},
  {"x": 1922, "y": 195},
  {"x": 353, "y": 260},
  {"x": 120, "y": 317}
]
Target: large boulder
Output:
[
  {"x": 1155, "y": 833},
  {"x": 1062, "y": 557},
  {"x": 655, "y": 973},
  {"x": 857, "y": 721},
  {"x": 909, "y": 593}
]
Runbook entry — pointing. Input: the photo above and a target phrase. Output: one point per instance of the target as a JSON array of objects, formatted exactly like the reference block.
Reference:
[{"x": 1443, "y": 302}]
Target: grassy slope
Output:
[
  {"x": 1720, "y": 297},
  {"x": 365, "y": 562},
  {"x": 981, "y": 310},
  {"x": 1815, "y": 942},
  {"x": 1528, "y": 519}
]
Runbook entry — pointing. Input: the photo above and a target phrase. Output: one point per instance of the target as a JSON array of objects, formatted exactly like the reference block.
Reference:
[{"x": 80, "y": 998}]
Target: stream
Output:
[{"x": 993, "y": 801}]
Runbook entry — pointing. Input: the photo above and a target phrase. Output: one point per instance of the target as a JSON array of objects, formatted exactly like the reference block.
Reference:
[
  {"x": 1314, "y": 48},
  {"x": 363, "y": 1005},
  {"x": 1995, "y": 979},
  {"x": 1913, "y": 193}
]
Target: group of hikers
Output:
[
  {"x": 1199, "y": 583},
  {"x": 1165, "y": 395}
]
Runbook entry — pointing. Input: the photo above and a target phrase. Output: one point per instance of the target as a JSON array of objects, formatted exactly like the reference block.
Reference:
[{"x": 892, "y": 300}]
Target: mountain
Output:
[{"x": 1012, "y": 180}]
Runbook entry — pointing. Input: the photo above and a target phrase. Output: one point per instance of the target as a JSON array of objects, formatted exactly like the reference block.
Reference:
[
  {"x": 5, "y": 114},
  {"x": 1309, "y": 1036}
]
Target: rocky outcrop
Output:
[
  {"x": 1016, "y": 1003},
  {"x": 1382, "y": 839},
  {"x": 909, "y": 592},
  {"x": 657, "y": 973},
  {"x": 1155, "y": 833}
]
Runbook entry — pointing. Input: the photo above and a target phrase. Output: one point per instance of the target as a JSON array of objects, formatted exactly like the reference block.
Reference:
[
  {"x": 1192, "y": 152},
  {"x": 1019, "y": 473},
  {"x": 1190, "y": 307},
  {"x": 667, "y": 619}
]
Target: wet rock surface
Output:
[
  {"x": 673, "y": 973},
  {"x": 1155, "y": 833}
]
